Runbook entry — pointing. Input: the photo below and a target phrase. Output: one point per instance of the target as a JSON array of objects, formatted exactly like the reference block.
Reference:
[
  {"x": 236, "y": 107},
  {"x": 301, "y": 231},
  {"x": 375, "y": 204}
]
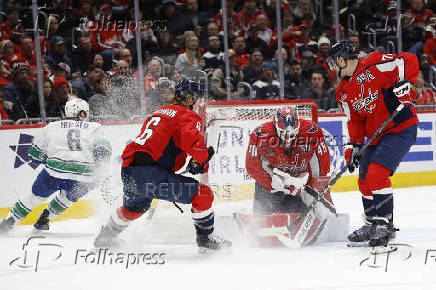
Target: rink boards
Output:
[{"x": 19, "y": 171}]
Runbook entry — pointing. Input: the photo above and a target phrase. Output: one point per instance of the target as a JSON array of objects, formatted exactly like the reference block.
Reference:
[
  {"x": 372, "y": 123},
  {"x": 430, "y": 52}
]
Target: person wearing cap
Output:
[
  {"x": 57, "y": 53},
  {"x": 266, "y": 87},
  {"x": 321, "y": 58},
  {"x": 20, "y": 102},
  {"x": 17, "y": 31},
  {"x": 219, "y": 88}
]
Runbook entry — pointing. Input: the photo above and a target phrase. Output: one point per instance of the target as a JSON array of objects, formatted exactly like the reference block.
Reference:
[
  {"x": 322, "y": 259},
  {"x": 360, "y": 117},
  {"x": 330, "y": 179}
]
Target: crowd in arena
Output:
[{"x": 89, "y": 51}]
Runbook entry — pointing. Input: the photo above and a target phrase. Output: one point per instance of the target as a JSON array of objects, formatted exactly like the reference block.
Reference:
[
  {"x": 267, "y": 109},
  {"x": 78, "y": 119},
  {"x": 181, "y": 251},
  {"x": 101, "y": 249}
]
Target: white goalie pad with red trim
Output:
[{"x": 275, "y": 231}]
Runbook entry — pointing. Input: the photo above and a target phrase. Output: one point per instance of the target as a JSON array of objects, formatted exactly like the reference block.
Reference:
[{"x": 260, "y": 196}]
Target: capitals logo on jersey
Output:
[{"x": 365, "y": 103}]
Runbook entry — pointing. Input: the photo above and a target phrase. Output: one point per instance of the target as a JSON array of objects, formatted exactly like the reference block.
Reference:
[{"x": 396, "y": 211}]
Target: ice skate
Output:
[
  {"x": 383, "y": 232},
  {"x": 106, "y": 238},
  {"x": 212, "y": 243},
  {"x": 43, "y": 223},
  {"x": 361, "y": 236},
  {"x": 6, "y": 225}
]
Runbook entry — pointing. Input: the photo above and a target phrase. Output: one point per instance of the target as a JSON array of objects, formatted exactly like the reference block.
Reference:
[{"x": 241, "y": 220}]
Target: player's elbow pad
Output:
[{"x": 102, "y": 154}]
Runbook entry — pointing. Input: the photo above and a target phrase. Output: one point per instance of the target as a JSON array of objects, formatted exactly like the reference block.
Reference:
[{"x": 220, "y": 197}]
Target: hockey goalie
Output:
[{"x": 289, "y": 160}]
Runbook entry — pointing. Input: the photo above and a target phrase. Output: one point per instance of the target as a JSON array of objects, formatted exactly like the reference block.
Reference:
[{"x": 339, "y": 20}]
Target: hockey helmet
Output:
[
  {"x": 343, "y": 48},
  {"x": 287, "y": 123},
  {"x": 74, "y": 107},
  {"x": 185, "y": 87}
]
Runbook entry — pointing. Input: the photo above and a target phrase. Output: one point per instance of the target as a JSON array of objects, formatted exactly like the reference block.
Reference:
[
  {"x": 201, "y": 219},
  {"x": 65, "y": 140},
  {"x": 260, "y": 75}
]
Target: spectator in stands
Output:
[
  {"x": 61, "y": 70},
  {"x": 149, "y": 45},
  {"x": 430, "y": 44},
  {"x": 17, "y": 31},
  {"x": 354, "y": 38},
  {"x": 214, "y": 57},
  {"x": 190, "y": 61},
  {"x": 419, "y": 13},
  {"x": 264, "y": 32},
  {"x": 307, "y": 61},
  {"x": 28, "y": 54},
  {"x": 254, "y": 41},
  {"x": 424, "y": 67},
  {"x": 316, "y": 91},
  {"x": 102, "y": 104},
  {"x": 12, "y": 14},
  {"x": 303, "y": 7},
  {"x": 426, "y": 95},
  {"x": 242, "y": 58},
  {"x": 219, "y": 87},
  {"x": 57, "y": 53},
  {"x": 4, "y": 73},
  {"x": 82, "y": 57},
  {"x": 211, "y": 30},
  {"x": 7, "y": 48},
  {"x": 252, "y": 70},
  {"x": 266, "y": 87},
  {"x": 303, "y": 41},
  {"x": 3, "y": 114},
  {"x": 62, "y": 95},
  {"x": 321, "y": 58},
  {"x": 126, "y": 55},
  {"x": 104, "y": 32},
  {"x": 191, "y": 19},
  {"x": 98, "y": 60},
  {"x": 157, "y": 98},
  {"x": 86, "y": 87},
  {"x": 52, "y": 107},
  {"x": 341, "y": 32},
  {"x": 154, "y": 71},
  {"x": 297, "y": 84},
  {"x": 50, "y": 30},
  {"x": 168, "y": 14},
  {"x": 166, "y": 49},
  {"x": 248, "y": 14},
  {"x": 232, "y": 17},
  {"x": 275, "y": 63},
  {"x": 19, "y": 99}
]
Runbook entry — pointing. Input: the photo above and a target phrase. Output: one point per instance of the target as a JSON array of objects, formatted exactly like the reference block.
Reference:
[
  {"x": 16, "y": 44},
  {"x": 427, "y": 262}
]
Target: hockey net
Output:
[{"x": 228, "y": 127}]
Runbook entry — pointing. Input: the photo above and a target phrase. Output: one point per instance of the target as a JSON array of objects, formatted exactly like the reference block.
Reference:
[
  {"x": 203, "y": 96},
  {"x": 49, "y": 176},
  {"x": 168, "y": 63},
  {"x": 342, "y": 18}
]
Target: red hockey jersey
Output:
[
  {"x": 367, "y": 98},
  {"x": 308, "y": 152},
  {"x": 168, "y": 135}
]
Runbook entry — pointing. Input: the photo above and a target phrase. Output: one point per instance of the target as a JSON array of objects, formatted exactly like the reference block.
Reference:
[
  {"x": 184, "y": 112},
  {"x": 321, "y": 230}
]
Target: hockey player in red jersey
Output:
[
  {"x": 283, "y": 157},
  {"x": 151, "y": 160},
  {"x": 370, "y": 89}
]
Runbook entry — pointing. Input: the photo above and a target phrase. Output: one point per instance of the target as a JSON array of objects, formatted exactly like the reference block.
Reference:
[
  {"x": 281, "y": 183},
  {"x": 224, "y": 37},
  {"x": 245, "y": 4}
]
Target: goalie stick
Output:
[{"x": 344, "y": 169}]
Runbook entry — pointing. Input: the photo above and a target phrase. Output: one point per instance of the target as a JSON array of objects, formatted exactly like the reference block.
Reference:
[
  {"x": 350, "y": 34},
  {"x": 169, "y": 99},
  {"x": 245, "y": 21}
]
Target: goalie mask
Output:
[
  {"x": 74, "y": 107},
  {"x": 286, "y": 123}
]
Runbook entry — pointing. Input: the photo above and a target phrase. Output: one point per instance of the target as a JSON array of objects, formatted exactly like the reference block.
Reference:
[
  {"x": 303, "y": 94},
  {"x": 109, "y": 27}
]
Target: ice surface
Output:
[{"x": 323, "y": 266}]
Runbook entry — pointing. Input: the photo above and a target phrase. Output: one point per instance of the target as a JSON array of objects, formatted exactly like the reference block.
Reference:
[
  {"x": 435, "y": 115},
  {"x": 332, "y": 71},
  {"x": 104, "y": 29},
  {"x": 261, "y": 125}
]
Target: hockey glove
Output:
[
  {"x": 403, "y": 92},
  {"x": 195, "y": 167},
  {"x": 291, "y": 182},
  {"x": 351, "y": 150}
]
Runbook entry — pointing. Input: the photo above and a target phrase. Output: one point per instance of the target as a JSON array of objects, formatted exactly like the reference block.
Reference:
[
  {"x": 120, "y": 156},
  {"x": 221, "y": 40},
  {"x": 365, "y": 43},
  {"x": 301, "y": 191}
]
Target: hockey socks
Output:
[
  {"x": 23, "y": 207},
  {"x": 203, "y": 222},
  {"x": 58, "y": 205}
]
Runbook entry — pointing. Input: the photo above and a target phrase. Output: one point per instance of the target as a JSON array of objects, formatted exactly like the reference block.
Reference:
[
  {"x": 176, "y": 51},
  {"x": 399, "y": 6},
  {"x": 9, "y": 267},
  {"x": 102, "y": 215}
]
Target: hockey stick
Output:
[
  {"x": 315, "y": 194},
  {"x": 344, "y": 169}
]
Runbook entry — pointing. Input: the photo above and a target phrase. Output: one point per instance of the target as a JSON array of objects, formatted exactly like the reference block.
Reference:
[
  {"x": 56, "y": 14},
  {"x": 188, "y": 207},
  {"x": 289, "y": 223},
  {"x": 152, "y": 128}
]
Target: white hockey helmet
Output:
[{"x": 75, "y": 106}]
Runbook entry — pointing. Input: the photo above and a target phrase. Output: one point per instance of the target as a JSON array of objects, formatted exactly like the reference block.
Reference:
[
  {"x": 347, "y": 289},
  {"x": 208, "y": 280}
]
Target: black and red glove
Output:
[
  {"x": 351, "y": 157},
  {"x": 403, "y": 91}
]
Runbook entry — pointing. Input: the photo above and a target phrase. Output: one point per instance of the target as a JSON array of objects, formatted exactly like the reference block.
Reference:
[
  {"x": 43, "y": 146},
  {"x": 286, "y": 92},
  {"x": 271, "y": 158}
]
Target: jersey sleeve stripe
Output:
[
  {"x": 392, "y": 65},
  {"x": 35, "y": 153},
  {"x": 103, "y": 143}
]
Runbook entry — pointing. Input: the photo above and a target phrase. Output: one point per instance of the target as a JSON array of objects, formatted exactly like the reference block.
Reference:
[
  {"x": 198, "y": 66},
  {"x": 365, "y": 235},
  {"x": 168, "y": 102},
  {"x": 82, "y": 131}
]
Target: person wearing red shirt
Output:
[
  {"x": 248, "y": 14},
  {"x": 150, "y": 162},
  {"x": 13, "y": 13},
  {"x": 370, "y": 90},
  {"x": 242, "y": 58},
  {"x": 419, "y": 13}
]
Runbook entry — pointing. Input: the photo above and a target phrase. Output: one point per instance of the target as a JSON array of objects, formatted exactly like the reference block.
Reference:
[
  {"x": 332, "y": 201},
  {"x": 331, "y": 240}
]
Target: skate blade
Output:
[
  {"x": 383, "y": 249},
  {"x": 207, "y": 251},
  {"x": 357, "y": 244}
]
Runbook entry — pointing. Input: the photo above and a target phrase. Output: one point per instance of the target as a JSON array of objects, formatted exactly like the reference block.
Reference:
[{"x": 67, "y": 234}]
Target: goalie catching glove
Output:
[
  {"x": 195, "y": 167},
  {"x": 282, "y": 181},
  {"x": 403, "y": 92}
]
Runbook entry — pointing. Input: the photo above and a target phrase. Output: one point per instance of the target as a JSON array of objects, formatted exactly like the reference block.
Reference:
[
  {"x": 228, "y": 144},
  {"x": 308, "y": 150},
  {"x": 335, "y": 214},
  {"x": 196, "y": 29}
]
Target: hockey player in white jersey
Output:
[{"x": 74, "y": 152}]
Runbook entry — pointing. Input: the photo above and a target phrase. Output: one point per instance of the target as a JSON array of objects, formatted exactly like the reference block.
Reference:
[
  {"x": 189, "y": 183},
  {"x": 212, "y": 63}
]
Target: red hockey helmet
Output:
[{"x": 287, "y": 123}]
